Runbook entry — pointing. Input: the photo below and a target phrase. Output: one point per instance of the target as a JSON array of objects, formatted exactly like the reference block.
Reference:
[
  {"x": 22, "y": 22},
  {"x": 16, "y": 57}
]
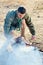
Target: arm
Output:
[
  {"x": 8, "y": 21},
  {"x": 23, "y": 28},
  {"x": 7, "y": 26},
  {"x": 30, "y": 24}
]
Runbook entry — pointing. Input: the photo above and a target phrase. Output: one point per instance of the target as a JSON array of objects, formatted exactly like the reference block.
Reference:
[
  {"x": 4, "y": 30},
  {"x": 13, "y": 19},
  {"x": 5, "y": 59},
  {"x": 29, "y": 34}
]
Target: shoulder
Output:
[
  {"x": 26, "y": 16},
  {"x": 11, "y": 13}
]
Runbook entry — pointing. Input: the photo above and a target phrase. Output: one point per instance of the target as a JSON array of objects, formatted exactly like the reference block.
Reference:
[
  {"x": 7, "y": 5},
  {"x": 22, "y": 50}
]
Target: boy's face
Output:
[{"x": 21, "y": 15}]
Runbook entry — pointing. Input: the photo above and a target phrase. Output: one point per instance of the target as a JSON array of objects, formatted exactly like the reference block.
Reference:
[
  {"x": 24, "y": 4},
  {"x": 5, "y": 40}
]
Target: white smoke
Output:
[{"x": 12, "y": 53}]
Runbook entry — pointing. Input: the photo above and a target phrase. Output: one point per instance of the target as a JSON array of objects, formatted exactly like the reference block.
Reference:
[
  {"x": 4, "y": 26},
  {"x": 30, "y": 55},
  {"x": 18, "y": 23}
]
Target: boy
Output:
[{"x": 18, "y": 19}]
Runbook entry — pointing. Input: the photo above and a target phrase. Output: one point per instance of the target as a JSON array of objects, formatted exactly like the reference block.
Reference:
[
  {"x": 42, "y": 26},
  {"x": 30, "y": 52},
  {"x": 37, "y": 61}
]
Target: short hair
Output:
[{"x": 22, "y": 10}]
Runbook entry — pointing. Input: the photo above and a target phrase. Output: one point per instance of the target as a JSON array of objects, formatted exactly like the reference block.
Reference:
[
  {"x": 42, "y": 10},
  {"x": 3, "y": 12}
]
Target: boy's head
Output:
[{"x": 21, "y": 12}]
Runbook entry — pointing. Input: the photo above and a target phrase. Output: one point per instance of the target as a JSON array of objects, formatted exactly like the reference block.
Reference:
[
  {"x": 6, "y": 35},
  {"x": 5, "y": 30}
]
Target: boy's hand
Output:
[
  {"x": 12, "y": 32},
  {"x": 28, "y": 43},
  {"x": 33, "y": 37}
]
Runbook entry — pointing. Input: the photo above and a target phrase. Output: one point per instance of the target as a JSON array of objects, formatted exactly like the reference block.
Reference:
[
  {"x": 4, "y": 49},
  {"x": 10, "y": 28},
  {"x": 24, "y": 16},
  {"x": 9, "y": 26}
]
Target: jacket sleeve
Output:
[
  {"x": 8, "y": 21},
  {"x": 7, "y": 25},
  {"x": 30, "y": 25}
]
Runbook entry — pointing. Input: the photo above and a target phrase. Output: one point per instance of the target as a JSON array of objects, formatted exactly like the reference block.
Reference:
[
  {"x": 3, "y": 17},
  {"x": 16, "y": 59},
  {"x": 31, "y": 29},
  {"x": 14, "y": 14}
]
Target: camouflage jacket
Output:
[
  {"x": 29, "y": 24},
  {"x": 13, "y": 22}
]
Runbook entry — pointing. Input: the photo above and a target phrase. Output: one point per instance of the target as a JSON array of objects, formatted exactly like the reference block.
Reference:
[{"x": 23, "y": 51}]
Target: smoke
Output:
[{"x": 17, "y": 53}]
